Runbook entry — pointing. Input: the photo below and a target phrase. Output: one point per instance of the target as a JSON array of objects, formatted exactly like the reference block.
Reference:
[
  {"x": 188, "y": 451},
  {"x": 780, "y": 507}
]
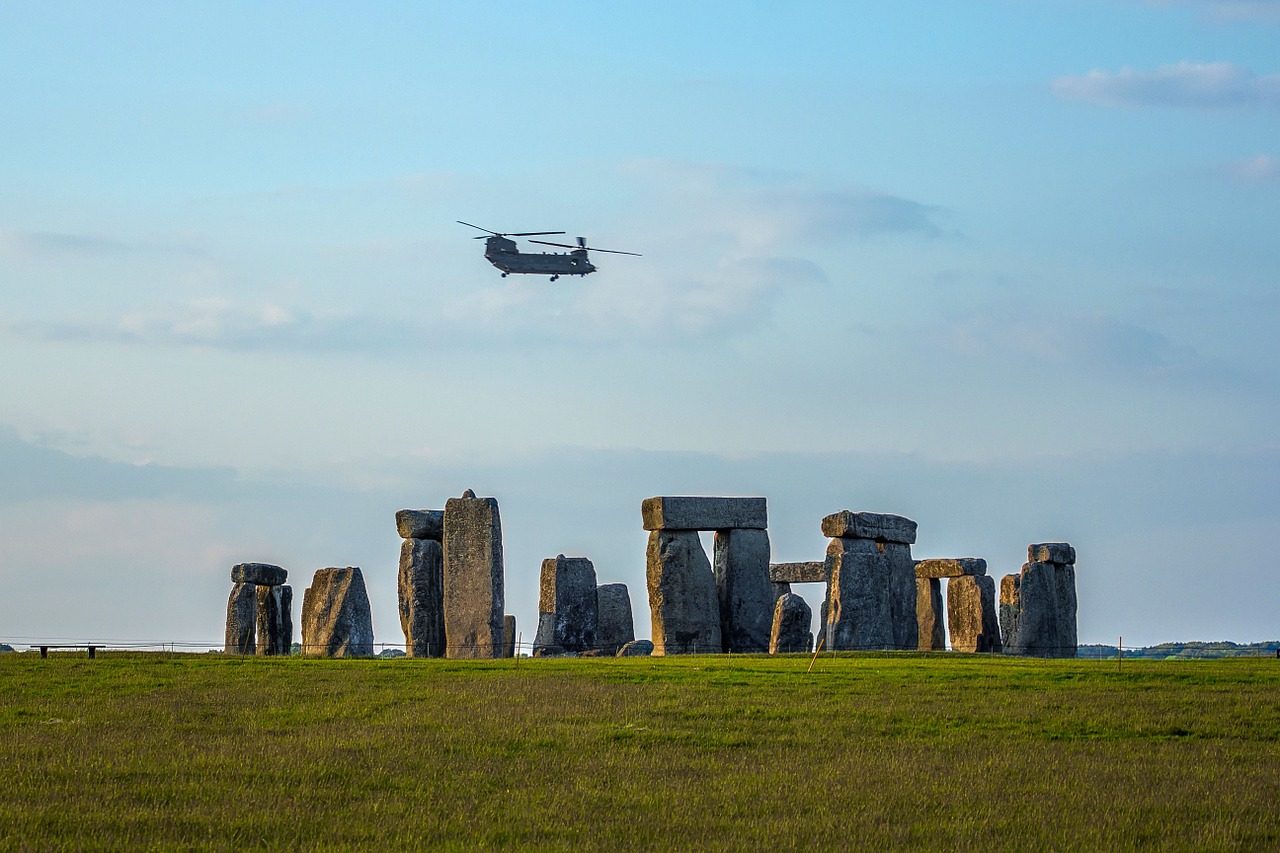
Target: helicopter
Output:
[{"x": 503, "y": 254}]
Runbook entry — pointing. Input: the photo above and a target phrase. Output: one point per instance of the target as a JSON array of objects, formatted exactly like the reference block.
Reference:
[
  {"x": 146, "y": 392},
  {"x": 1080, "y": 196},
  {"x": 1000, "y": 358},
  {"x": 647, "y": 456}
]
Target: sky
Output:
[{"x": 1006, "y": 268}]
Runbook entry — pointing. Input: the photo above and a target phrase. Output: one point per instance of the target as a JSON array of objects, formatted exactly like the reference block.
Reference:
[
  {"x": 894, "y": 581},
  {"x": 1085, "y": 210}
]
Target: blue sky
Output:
[{"x": 1006, "y": 268}]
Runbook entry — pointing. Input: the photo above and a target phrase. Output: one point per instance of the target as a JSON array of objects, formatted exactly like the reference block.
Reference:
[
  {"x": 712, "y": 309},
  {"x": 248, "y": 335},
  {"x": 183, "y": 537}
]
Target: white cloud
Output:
[
  {"x": 1202, "y": 85},
  {"x": 1255, "y": 170}
]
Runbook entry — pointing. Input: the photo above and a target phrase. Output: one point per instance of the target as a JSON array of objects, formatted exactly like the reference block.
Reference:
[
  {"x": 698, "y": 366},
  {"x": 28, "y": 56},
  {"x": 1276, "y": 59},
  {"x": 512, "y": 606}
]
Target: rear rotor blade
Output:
[
  {"x": 561, "y": 245},
  {"x": 612, "y": 251},
  {"x": 530, "y": 234},
  {"x": 587, "y": 248}
]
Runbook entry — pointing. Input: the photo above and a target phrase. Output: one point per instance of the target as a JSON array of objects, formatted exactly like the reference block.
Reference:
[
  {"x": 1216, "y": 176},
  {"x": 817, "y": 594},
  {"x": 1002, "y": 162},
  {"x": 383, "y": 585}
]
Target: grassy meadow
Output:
[{"x": 138, "y": 750}]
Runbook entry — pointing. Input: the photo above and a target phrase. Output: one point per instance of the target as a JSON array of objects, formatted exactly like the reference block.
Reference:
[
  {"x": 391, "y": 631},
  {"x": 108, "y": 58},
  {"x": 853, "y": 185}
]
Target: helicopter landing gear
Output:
[
  {"x": 554, "y": 277},
  {"x": 504, "y": 275}
]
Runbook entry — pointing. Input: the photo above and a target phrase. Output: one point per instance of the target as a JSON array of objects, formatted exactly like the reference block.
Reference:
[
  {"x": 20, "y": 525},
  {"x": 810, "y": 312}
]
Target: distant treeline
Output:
[{"x": 1164, "y": 651}]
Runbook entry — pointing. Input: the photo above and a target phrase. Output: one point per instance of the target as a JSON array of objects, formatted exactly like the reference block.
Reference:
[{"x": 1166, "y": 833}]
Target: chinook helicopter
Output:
[{"x": 503, "y": 254}]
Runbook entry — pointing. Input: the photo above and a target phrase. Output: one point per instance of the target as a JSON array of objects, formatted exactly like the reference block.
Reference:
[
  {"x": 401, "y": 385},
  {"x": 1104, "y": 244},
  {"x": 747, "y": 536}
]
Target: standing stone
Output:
[
  {"x": 790, "y": 632},
  {"x": 932, "y": 634},
  {"x": 684, "y": 606},
  {"x": 873, "y": 595},
  {"x": 1068, "y": 642},
  {"x": 421, "y": 592},
  {"x": 615, "y": 626},
  {"x": 336, "y": 621},
  {"x": 286, "y": 619},
  {"x": 567, "y": 611},
  {"x": 272, "y": 619},
  {"x": 473, "y": 577},
  {"x": 1009, "y": 606},
  {"x": 242, "y": 617},
  {"x": 743, "y": 587},
  {"x": 971, "y": 614},
  {"x": 508, "y": 636}
]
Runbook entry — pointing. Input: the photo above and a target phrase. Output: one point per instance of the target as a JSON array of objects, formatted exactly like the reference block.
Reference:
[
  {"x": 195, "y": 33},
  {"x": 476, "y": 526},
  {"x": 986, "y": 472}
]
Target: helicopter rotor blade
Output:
[
  {"x": 561, "y": 245},
  {"x": 477, "y": 227},
  {"x": 613, "y": 251},
  {"x": 530, "y": 233},
  {"x": 587, "y": 248}
]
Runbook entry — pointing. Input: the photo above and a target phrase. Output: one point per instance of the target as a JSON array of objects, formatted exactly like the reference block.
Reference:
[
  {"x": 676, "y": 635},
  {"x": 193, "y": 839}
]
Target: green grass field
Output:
[{"x": 745, "y": 753}]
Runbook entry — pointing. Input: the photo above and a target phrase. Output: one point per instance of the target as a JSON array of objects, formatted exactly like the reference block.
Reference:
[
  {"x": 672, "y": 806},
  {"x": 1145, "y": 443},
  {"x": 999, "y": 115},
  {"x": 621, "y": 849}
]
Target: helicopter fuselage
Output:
[{"x": 504, "y": 255}]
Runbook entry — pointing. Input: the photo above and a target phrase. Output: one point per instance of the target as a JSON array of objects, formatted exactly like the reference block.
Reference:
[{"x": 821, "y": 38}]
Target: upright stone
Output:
[
  {"x": 567, "y": 611},
  {"x": 971, "y": 614},
  {"x": 684, "y": 607},
  {"x": 932, "y": 634},
  {"x": 271, "y": 621},
  {"x": 1009, "y": 606},
  {"x": 1068, "y": 641},
  {"x": 286, "y": 619},
  {"x": 473, "y": 577},
  {"x": 1038, "y": 634},
  {"x": 242, "y": 617},
  {"x": 615, "y": 625},
  {"x": 873, "y": 595},
  {"x": 336, "y": 621},
  {"x": 744, "y": 589},
  {"x": 508, "y": 636},
  {"x": 790, "y": 631},
  {"x": 421, "y": 592}
]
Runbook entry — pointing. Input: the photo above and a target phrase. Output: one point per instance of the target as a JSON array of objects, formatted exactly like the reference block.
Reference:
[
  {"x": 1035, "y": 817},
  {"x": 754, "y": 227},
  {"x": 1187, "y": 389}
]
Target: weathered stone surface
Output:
[
  {"x": 951, "y": 568},
  {"x": 262, "y": 574},
  {"x": 971, "y": 614},
  {"x": 420, "y": 524},
  {"x": 932, "y": 636},
  {"x": 1009, "y": 606},
  {"x": 636, "y": 648},
  {"x": 825, "y": 628},
  {"x": 815, "y": 572},
  {"x": 336, "y": 621},
  {"x": 615, "y": 625},
  {"x": 275, "y": 620},
  {"x": 790, "y": 632},
  {"x": 242, "y": 618},
  {"x": 1044, "y": 622},
  {"x": 1052, "y": 552},
  {"x": 567, "y": 612},
  {"x": 743, "y": 587},
  {"x": 420, "y": 585},
  {"x": 694, "y": 513},
  {"x": 508, "y": 636},
  {"x": 684, "y": 607},
  {"x": 881, "y": 527},
  {"x": 873, "y": 595},
  {"x": 473, "y": 578}
]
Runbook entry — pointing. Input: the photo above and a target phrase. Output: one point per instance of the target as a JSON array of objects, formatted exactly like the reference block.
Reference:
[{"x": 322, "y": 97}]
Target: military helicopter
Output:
[{"x": 504, "y": 255}]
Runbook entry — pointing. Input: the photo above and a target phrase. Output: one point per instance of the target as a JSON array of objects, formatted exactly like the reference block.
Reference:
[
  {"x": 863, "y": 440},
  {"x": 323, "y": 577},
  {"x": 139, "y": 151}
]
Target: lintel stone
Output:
[
  {"x": 704, "y": 513},
  {"x": 420, "y": 524},
  {"x": 881, "y": 527},
  {"x": 815, "y": 572},
  {"x": 1052, "y": 552},
  {"x": 951, "y": 568},
  {"x": 261, "y": 574}
]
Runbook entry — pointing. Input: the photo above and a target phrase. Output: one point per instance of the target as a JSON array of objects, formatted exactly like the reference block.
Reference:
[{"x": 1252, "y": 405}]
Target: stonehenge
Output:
[
  {"x": 451, "y": 592},
  {"x": 1038, "y": 605},
  {"x": 336, "y": 620},
  {"x": 259, "y": 611}
]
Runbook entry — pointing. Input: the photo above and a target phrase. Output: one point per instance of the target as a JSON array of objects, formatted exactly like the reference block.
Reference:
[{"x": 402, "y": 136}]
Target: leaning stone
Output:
[
  {"x": 274, "y": 620},
  {"x": 693, "y": 513},
  {"x": 971, "y": 614},
  {"x": 932, "y": 635},
  {"x": 684, "y": 607},
  {"x": 242, "y": 618},
  {"x": 1052, "y": 552},
  {"x": 951, "y": 568},
  {"x": 336, "y": 621},
  {"x": 636, "y": 648},
  {"x": 743, "y": 587},
  {"x": 567, "y": 612},
  {"x": 790, "y": 631},
  {"x": 798, "y": 572},
  {"x": 262, "y": 574},
  {"x": 420, "y": 524},
  {"x": 473, "y": 578},
  {"x": 881, "y": 527},
  {"x": 615, "y": 626},
  {"x": 508, "y": 636},
  {"x": 420, "y": 584}
]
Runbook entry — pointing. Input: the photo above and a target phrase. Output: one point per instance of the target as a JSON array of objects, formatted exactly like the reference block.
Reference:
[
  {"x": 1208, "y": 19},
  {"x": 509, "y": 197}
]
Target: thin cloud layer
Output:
[
  {"x": 1230, "y": 11},
  {"x": 1261, "y": 169},
  {"x": 1199, "y": 85}
]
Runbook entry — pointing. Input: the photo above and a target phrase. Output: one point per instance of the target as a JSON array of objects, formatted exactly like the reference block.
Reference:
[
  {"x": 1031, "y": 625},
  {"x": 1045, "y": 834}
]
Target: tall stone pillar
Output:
[
  {"x": 971, "y": 614},
  {"x": 932, "y": 633},
  {"x": 336, "y": 620},
  {"x": 473, "y": 577},
  {"x": 1038, "y": 606},
  {"x": 242, "y": 618},
  {"x": 684, "y": 607},
  {"x": 421, "y": 582},
  {"x": 873, "y": 581},
  {"x": 568, "y": 616},
  {"x": 746, "y": 594},
  {"x": 615, "y": 625}
]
